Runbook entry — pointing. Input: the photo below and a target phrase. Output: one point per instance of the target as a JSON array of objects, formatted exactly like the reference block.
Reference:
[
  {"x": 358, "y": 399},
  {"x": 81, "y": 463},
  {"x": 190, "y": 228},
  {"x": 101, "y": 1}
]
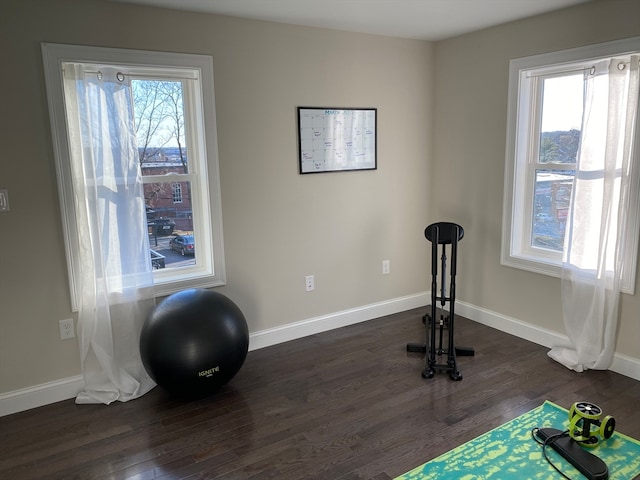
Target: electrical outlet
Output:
[
  {"x": 66, "y": 329},
  {"x": 386, "y": 267},
  {"x": 309, "y": 283}
]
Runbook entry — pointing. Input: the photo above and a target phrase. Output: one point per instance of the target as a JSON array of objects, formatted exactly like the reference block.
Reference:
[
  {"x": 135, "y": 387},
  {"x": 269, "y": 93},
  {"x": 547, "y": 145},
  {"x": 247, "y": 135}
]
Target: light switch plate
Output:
[{"x": 4, "y": 200}]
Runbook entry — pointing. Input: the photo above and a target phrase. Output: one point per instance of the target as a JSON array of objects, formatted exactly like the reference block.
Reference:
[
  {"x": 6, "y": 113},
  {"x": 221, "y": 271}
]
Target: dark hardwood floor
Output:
[{"x": 345, "y": 404}]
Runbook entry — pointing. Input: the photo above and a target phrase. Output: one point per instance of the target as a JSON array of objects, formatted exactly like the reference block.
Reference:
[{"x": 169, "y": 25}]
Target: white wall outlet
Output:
[
  {"x": 66, "y": 329},
  {"x": 309, "y": 283},
  {"x": 386, "y": 267}
]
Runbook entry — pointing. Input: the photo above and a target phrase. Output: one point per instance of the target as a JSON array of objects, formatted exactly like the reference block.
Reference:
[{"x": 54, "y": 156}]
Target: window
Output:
[
  {"x": 546, "y": 97},
  {"x": 174, "y": 118},
  {"x": 177, "y": 192}
]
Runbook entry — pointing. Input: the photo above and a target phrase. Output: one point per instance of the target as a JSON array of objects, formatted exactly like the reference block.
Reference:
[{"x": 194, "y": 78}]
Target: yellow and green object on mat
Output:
[
  {"x": 510, "y": 452},
  {"x": 583, "y": 416}
]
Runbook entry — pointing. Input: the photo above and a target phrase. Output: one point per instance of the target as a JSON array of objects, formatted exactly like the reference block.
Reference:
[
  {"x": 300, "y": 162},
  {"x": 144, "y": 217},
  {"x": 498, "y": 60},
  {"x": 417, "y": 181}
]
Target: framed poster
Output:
[{"x": 336, "y": 139}]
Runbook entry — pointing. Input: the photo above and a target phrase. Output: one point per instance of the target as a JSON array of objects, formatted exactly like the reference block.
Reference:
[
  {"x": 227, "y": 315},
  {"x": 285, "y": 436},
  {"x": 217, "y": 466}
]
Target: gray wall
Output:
[
  {"x": 278, "y": 225},
  {"x": 441, "y": 139}
]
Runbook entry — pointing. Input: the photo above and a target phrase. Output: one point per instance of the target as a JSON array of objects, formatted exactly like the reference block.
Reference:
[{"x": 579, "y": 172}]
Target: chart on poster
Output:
[{"x": 332, "y": 139}]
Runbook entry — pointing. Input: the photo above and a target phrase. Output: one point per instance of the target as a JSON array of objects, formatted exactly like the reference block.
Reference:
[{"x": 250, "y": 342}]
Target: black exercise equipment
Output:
[
  {"x": 587, "y": 463},
  {"x": 194, "y": 341},
  {"x": 441, "y": 235}
]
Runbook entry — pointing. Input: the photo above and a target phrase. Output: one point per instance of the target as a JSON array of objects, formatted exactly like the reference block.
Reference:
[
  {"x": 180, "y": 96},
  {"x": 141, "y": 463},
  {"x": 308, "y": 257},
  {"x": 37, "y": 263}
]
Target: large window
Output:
[
  {"x": 546, "y": 99},
  {"x": 174, "y": 118}
]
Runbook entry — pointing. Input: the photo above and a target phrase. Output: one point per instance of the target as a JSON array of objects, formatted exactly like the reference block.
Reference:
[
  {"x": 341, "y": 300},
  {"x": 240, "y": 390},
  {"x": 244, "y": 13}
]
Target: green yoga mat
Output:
[{"x": 509, "y": 452}]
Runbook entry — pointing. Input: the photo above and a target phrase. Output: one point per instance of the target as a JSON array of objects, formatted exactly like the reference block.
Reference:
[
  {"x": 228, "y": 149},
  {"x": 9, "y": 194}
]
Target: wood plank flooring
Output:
[{"x": 345, "y": 404}]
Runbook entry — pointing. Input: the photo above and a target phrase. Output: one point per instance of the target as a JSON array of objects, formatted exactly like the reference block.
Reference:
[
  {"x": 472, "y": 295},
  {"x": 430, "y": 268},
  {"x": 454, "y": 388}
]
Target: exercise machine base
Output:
[{"x": 587, "y": 463}]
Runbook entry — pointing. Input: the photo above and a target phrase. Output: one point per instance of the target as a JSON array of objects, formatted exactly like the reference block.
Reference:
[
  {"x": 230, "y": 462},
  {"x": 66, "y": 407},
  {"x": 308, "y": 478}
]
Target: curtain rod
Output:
[
  {"x": 147, "y": 76},
  {"x": 590, "y": 70}
]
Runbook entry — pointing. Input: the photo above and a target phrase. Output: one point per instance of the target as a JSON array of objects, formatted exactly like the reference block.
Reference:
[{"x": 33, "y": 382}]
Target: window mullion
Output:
[
  {"x": 533, "y": 154},
  {"x": 170, "y": 177}
]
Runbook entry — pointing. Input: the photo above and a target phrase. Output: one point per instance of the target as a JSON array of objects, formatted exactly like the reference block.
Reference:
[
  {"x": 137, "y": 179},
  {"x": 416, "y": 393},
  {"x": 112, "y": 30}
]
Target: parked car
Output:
[{"x": 185, "y": 244}]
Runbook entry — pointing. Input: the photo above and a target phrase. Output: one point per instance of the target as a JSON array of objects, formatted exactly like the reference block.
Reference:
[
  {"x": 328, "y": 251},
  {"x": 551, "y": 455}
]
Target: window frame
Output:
[
  {"x": 524, "y": 108},
  {"x": 209, "y": 270}
]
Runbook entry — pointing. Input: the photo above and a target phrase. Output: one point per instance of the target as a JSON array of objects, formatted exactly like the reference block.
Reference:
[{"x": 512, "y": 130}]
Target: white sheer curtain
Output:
[
  {"x": 116, "y": 280},
  {"x": 596, "y": 227}
]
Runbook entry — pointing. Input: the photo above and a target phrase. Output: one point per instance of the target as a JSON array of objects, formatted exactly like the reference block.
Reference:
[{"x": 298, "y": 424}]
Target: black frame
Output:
[{"x": 366, "y": 124}]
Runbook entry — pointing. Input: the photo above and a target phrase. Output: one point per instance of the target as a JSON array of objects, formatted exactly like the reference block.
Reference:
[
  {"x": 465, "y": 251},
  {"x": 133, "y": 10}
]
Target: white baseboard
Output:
[
  {"x": 66, "y": 388},
  {"x": 39, "y": 395},
  {"x": 622, "y": 364},
  {"x": 292, "y": 331}
]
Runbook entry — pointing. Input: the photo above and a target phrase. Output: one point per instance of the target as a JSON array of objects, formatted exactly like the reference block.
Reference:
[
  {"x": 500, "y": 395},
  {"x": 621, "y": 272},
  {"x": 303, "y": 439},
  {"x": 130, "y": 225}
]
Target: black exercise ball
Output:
[{"x": 194, "y": 342}]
